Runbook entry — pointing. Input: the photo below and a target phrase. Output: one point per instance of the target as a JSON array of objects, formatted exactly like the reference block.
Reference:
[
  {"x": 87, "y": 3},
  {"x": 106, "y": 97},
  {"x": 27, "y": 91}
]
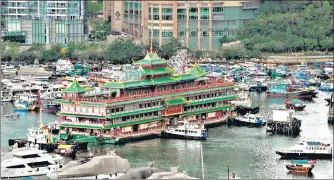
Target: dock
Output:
[{"x": 284, "y": 123}]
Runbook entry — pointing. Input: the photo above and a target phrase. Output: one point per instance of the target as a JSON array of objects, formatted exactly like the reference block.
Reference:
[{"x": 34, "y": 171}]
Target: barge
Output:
[{"x": 144, "y": 108}]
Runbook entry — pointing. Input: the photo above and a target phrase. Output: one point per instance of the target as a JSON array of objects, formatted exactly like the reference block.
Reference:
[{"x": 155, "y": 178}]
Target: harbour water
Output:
[{"x": 249, "y": 152}]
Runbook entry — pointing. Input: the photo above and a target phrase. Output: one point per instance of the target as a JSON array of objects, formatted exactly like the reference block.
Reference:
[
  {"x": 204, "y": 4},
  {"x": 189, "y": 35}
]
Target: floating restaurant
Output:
[{"x": 127, "y": 111}]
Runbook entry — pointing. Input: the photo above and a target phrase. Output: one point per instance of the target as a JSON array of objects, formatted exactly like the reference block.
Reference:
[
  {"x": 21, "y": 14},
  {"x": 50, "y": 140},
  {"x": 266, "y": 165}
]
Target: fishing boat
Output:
[
  {"x": 308, "y": 150},
  {"x": 327, "y": 87},
  {"x": 6, "y": 96},
  {"x": 244, "y": 105},
  {"x": 285, "y": 89},
  {"x": 23, "y": 106},
  {"x": 257, "y": 85},
  {"x": 295, "y": 104},
  {"x": 185, "y": 130},
  {"x": 249, "y": 120}
]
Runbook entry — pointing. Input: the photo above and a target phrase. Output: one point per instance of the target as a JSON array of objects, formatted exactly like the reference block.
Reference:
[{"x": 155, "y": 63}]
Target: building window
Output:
[
  {"x": 167, "y": 17},
  {"x": 194, "y": 34},
  {"x": 156, "y": 33},
  {"x": 182, "y": 34},
  {"x": 218, "y": 33},
  {"x": 204, "y": 33},
  {"x": 193, "y": 17},
  {"x": 181, "y": 17},
  {"x": 167, "y": 33},
  {"x": 181, "y": 11},
  {"x": 204, "y": 17},
  {"x": 180, "y": 4},
  {"x": 193, "y": 10},
  {"x": 155, "y": 17},
  {"x": 155, "y": 10},
  {"x": 167, "y": 10},
  {"x": 218, "y": 9}
]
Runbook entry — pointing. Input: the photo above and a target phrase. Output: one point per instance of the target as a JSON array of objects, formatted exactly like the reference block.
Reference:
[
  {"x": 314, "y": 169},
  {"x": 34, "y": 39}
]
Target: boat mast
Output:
[{"x": 202, "y": 163}]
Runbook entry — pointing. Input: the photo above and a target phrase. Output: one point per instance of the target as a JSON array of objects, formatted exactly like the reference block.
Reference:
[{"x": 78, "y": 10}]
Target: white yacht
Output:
[
  {"x": 249, "y": 120},
  {"x": 308, "y": 150},
  {"x": 30, "y": 162},
  {"x": 185, "y": 130}
]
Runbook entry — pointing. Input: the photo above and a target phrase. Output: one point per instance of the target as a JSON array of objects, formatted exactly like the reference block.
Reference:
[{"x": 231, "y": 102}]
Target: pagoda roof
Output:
[
  {"x": 131, "y": 84},
  {"x": 75, "y": 87},
  {"x": 197, "y": 71},
  {"x": 151, "y": 59},
  {"x": 175, "y": 101},
  {"x": 156, "y": 71}
]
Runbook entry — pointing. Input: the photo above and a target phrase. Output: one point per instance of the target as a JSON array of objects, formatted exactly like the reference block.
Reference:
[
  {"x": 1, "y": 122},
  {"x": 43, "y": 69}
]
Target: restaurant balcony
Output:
[
  {"x": 125, "y": 97},
  {"x": 84, "y": 124}
]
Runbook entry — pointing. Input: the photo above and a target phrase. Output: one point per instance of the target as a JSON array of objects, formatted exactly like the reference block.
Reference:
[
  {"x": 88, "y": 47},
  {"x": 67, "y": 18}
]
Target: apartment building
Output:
[
  {"x": 44, "y": 22},
  {"x": 198, "y": 24}
]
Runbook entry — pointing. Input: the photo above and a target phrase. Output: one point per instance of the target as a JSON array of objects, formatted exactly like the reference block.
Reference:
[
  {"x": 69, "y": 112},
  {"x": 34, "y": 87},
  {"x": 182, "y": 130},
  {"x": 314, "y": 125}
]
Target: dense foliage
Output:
[
  {"x": 94, "y": 8},
  {"x": 289, "y": 26}
]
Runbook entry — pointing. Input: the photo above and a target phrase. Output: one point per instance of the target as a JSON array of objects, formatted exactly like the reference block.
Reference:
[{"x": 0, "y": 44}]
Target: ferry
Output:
[
  {"x": 185, "y": 130},
  {"x": 143, "y": 108},
  {"x": 308, "y": 150}
]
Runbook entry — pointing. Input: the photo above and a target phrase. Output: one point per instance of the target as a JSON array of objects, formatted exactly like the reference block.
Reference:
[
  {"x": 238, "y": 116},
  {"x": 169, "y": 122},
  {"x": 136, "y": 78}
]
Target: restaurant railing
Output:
[{"x": 158, "y": 93}]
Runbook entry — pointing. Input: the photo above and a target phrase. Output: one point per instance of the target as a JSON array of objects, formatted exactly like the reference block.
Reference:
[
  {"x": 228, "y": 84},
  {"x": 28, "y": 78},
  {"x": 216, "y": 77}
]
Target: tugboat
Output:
[
  {"x": 295, "y": 104},
  {"x": 249, "y": 120},
  {"x": 185, "y": 130},
  {"x": 307, "y": 150},
  {"x": 244, "y": 105}
]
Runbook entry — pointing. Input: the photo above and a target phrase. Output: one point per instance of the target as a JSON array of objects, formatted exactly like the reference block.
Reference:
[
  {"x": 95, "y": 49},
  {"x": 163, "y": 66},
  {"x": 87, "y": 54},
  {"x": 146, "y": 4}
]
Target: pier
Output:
[{"x": 284, "y": 123}]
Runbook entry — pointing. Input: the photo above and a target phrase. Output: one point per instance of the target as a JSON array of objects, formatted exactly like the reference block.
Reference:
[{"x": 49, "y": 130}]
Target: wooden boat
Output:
[
  {"x": 300, "y": 168},
  {"x": 295, "y": 104}
]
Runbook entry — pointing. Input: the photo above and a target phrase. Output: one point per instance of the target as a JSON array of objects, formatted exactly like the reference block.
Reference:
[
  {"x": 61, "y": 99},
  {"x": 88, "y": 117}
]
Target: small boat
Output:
[
  {"x": 244, "y": 105},
  {"x": 327, "y": 87},
  {"x": 249, "y": 120},
  {"x": 300, "y": 168},
  {"x": 12, "y": 115},
  {"x": 22, "y": 106},
  {"x": 185, "y": 130},
  {"x": 295, "y": 104}
]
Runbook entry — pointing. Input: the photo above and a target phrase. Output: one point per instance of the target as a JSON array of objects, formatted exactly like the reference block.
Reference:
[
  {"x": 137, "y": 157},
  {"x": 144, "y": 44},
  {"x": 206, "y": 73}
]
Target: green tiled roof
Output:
[
  {"x": 197, "y": 71},
  {"x": 156, "y": 71},
  {"x": 136, "y": 112},
  {"x": 81, "y": 115},
  {"x": 151, "y": 59},
  {"x": 185, "y": 77},
  {"x": 131, "y": 84},
  {"x": 175, "y": 101},
  {"x": 133, "y": 122},
  {"x": 208, "y": 110},
  {"x": 165, "y": 80},
  {"x": 81, "y": 126},
  {"x": 212, "y": 100},
  {"x": 75, "y": 87}
]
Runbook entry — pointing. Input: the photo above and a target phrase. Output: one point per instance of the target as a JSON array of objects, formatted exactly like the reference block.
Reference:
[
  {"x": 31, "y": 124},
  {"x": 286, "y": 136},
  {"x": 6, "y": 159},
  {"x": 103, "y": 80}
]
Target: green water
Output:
[{"x": 249, "y": 152}]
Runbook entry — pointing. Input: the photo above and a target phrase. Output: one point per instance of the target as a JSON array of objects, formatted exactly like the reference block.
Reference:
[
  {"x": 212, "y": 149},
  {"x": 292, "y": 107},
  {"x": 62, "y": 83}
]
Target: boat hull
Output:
[
  {"x": 166, "y": 135},
  {"x": 244, "y": 110},
  {"x": 244, "y": 123},
  {"x": 297, "y": 108},
  {"x": 21, "y": 109},
  {"x": 299, "y": 169},
  {"x": 290, "y": 94},
  {"x": 303, "y": 155},
  {"x": 258, "y": 89},
  {"x": 23, "y": 172}
]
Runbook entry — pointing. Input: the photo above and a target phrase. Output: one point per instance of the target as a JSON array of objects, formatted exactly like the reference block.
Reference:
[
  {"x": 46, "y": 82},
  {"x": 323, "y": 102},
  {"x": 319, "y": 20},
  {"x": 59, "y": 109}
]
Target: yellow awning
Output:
[{"x": 64, "y": 146}]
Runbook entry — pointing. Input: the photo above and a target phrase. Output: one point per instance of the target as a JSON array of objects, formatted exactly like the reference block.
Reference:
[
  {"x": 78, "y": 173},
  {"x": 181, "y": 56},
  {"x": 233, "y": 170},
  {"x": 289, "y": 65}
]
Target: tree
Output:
[
  {"x": 170, "y": 47},
  {"x": 327, "y": 44},
  {"x": 101, "y": 30},
  {"x": 26, "y": 57},
  {"x": 197, "y": 54},
  {"x": 12, "y": 50},
  {"x": 36, "y": 47},
  {"x": 226, "y": 39},
  {"x": 94, "y": 8},
  {"x": 122, "y": 51}
]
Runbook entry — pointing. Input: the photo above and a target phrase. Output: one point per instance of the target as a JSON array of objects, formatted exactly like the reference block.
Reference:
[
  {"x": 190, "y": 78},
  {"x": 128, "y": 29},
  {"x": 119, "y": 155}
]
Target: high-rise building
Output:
[
  {"x": 44, "y": 22},
  {"x": 198, "y": 24}
]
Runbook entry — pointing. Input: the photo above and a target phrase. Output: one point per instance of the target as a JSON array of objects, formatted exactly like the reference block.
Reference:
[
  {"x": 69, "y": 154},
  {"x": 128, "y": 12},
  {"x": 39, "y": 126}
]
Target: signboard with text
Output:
[{"x": 173, "y": 110}]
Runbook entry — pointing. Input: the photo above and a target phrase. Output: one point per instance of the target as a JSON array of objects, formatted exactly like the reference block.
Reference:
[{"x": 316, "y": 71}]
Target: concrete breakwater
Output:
[{"x": 287, "y": 60}]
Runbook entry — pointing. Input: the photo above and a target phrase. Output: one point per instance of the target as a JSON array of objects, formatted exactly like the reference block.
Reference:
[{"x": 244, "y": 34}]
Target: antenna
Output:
[{"x": 151, "y": 48}]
